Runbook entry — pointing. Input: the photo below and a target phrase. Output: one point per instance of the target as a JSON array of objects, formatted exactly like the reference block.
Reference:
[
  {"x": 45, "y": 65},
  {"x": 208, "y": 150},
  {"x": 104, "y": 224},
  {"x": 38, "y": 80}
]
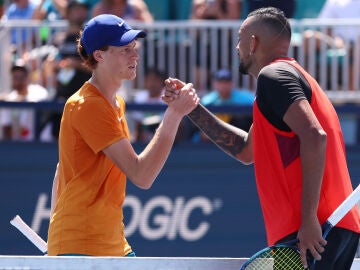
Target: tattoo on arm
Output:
[{"x": 230, "y": 139}]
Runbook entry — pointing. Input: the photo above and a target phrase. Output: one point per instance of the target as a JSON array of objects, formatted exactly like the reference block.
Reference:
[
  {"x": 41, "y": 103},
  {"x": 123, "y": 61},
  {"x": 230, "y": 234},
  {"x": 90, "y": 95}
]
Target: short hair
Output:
[{"x": 274, "y": 18}]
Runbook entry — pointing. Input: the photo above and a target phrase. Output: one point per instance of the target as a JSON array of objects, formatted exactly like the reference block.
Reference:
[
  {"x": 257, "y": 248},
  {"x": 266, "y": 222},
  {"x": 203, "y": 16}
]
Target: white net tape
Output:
[{"x": 116, "y": 263}]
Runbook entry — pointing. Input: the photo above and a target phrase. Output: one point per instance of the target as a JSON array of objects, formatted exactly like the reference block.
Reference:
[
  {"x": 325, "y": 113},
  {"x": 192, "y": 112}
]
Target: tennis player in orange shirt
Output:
[{"x": 95, "y": 153}]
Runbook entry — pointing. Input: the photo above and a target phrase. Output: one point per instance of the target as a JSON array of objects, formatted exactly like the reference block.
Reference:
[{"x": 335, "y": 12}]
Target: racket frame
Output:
[
  {"x": 334, "y": 218},
  {"x": 30, "y": 234}
]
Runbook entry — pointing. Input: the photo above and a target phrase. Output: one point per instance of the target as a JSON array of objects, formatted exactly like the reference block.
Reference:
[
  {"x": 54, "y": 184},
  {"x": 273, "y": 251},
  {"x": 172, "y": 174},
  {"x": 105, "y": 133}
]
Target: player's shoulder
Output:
[
  {"x": 87, "y": 98},
  {"x": 86, "y": 92},
  {"x": 277, "y": 65},
  {"x": 278, "y": 70}
]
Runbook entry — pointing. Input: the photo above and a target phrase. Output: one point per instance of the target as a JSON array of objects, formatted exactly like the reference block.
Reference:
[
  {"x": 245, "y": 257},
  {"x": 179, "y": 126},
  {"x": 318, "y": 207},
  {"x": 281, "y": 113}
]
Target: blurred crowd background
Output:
[{"x": 193, "y": 40}]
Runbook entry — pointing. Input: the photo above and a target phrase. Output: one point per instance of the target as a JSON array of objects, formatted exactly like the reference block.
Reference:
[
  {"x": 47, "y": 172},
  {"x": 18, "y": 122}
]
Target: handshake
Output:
[{"x": 176, "y": 91}]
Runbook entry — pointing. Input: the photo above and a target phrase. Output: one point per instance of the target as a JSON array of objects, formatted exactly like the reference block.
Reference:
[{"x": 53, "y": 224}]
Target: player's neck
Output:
[{"x": 108, "y": 90}]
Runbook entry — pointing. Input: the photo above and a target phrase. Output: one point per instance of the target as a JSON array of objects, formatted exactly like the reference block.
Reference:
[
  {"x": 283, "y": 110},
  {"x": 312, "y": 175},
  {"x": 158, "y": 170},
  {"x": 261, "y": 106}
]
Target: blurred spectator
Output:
[
  {"x": 215, "y": 10},
  {"x": 19, "y": 124},
  {"x": 287, "y": 6},
  {"x": 35, "y": 59},
  {"x": 340, "y": 40},
  {"x": 145, "y": 123},
  {"x": 70, "y": 75},
  {"x": 342, "y": 9},
  {"x": 224, "y": 93},
  {"x": 126, "y": 9},
  {"x": 212, "y": 10},
  {"x": 308, "y": 9},
  {"x": 90, "y": 4},
  {"x": 51, "y": 10},
  {"x": 20, "y": 10},
  {"x": 76, "y": 14}
]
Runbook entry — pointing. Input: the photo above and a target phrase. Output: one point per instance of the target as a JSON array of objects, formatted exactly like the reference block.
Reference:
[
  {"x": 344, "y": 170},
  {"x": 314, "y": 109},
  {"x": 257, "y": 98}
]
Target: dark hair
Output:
[
  {"x": 74, "y": 3},
  {"x": 274, "y": 18}
]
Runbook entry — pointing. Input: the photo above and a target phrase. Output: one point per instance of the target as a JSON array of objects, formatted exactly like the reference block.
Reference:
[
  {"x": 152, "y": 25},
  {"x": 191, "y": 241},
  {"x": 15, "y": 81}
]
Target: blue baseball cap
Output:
[
  {"x": 223, "y": 75},
  {"x": 107, "y": 30}
]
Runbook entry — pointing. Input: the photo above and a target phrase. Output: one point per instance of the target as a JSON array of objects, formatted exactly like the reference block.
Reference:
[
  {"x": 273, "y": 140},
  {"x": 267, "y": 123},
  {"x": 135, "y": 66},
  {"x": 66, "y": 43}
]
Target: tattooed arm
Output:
[{"x": 232, "y": 140}]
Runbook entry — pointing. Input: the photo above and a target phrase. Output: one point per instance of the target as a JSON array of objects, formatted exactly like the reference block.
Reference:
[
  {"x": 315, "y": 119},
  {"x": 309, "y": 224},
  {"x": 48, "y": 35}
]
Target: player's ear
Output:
[
  {"x": 253, "y": 44},
  {"x": 98, "y": 55}
]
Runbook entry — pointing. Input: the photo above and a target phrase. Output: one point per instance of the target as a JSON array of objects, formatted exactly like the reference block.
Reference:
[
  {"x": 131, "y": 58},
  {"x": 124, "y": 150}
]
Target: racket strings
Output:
[
  {"x": 280, "y": 258},
  {"x": 287, "y": 259}
]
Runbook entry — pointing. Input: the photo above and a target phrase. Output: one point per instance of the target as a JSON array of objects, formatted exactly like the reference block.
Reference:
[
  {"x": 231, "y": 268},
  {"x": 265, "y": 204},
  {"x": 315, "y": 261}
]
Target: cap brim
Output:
[{"x": 128, "y": 37}]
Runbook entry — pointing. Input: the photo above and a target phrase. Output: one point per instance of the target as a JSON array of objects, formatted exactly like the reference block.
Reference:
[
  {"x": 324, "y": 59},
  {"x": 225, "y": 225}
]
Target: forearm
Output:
[
  {"x": 231, "y": 140},
  {"x": 39, "y": 14},
  {"x": 312, "y": 152},
  {"x": 153, "y": 157}
]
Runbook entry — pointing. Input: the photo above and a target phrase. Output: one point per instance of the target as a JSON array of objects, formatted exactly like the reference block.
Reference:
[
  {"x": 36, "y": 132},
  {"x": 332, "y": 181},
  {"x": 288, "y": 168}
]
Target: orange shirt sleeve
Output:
[{"x": 98, "y": 123}]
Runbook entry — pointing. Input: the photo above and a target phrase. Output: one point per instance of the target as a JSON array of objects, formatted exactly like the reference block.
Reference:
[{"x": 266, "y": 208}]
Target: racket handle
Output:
[
  {"x": 18, "y": 223},
  {"x": 345, "y": 207}
]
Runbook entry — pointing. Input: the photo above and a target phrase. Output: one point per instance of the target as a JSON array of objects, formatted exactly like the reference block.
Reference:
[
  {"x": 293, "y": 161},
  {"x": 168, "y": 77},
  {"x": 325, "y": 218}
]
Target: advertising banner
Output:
[{"x": 203, "y": 203}]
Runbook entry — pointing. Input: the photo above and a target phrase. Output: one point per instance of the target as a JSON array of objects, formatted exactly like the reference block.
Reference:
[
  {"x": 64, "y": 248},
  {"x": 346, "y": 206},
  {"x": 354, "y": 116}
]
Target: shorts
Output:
[{"x": 339, "y": 252}]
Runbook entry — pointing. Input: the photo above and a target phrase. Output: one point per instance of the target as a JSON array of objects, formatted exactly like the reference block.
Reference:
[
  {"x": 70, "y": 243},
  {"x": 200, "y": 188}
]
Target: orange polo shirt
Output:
[
  {"x": 88, "y": 217},
  {"x": 279, "y": 174}
]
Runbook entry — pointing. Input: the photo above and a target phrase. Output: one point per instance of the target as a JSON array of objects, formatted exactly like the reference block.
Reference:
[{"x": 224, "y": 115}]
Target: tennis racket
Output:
[
  {"x": 286, "y": 256},
  {"x": 29, "y": 233}
]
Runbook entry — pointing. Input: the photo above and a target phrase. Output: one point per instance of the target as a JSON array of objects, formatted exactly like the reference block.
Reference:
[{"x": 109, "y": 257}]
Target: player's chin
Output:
[{"x": 132, "y": 74}]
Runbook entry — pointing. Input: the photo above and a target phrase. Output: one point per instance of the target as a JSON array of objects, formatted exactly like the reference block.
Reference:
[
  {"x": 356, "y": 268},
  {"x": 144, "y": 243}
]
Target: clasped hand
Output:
[{"x": 176, "y": 89}]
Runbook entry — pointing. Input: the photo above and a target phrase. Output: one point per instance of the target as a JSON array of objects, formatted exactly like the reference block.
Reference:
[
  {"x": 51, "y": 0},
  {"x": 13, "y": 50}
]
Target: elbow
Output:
[
  {"x": 141, "y": 177},
  {"x": 318, "y": 137},
  {"x": 321, "y": 138},
  {"x": 144, "y": 183},
  {"x": 145, "y": 186},
  {"x": 246, "y": 157}
]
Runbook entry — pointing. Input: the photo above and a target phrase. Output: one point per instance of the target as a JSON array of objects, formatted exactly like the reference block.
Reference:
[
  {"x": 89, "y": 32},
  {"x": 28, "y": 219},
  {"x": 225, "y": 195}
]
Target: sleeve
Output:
[
  {"x": 98, "y": 123},
  {"x": 278, "y": 88}
]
